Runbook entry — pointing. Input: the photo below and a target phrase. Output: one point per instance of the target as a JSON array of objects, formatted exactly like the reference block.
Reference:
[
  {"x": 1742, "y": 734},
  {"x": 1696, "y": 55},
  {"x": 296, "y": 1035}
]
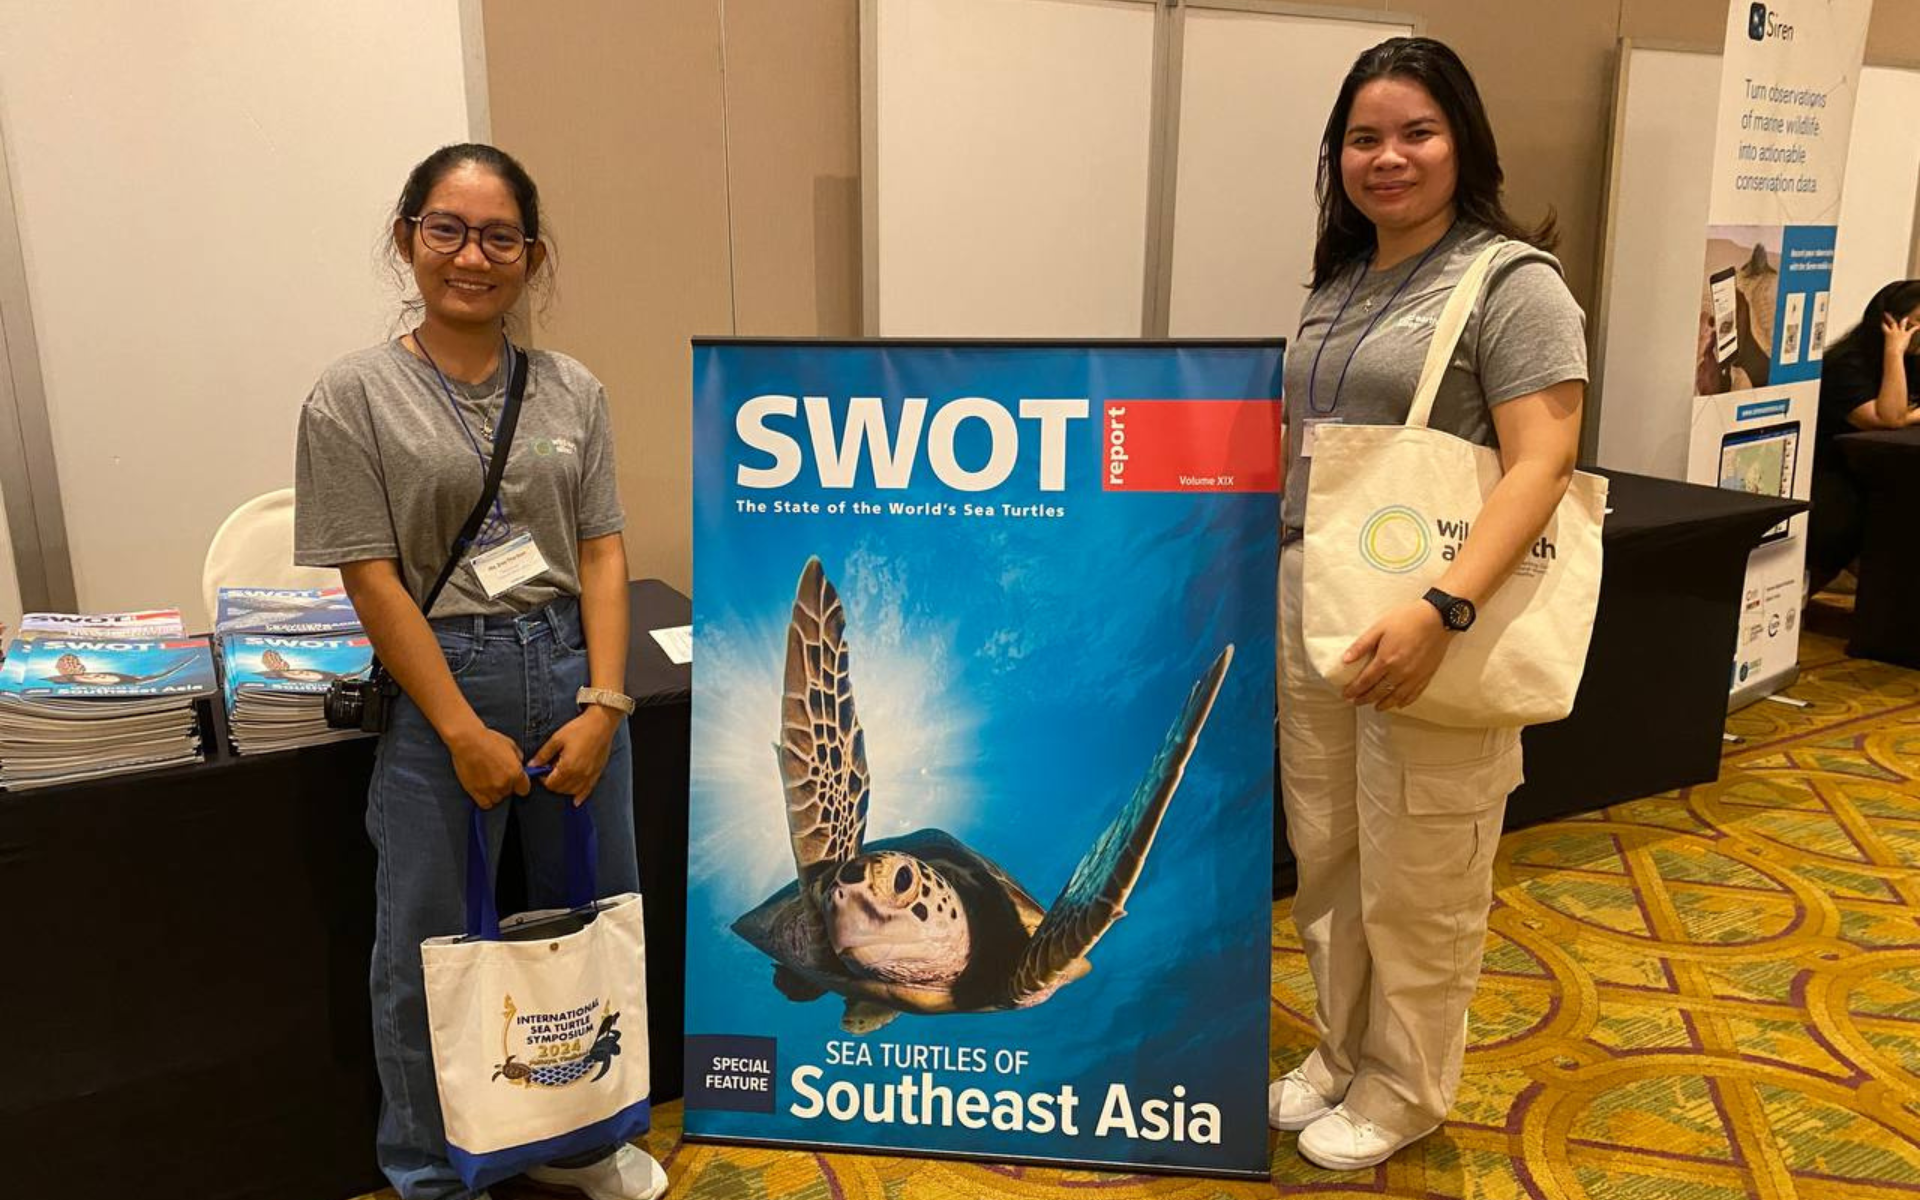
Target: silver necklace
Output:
[{"x": 486, "y": 421}]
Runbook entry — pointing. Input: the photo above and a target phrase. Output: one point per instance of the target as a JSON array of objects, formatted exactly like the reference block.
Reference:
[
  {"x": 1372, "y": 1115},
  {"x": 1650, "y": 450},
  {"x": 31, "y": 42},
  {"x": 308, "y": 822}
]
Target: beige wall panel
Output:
[
  {"x": 616, "y": 110},
  {"x": 793, "y": 117},
  {"x": 1893, "y": 35},
  {"x": 1550, "y": 108},
  {"x": 1701, "y": 23}
]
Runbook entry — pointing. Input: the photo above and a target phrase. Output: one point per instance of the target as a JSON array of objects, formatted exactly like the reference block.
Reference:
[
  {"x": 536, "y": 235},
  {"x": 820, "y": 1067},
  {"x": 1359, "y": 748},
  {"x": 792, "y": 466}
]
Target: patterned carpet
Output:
[{"x": 1711, "y": 994}]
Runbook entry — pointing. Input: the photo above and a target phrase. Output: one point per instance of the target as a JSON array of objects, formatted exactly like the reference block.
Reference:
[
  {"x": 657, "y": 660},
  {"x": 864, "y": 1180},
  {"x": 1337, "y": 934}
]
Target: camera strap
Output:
[
  {"x": 519, "y": 369},
  {"x": 496, "y": 467}
]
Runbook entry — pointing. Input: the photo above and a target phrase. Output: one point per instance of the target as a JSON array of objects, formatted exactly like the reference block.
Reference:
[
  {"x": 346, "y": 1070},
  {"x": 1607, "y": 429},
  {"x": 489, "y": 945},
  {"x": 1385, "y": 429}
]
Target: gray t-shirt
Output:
[
  {"x": 1525, "y": 333},
  {"x": 384, "y": 470}
]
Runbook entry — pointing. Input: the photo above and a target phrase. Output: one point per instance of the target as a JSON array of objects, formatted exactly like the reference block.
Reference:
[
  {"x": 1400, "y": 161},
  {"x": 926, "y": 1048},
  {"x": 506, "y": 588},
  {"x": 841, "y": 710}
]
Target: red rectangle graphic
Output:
[{"x": 1190, "y": 445}]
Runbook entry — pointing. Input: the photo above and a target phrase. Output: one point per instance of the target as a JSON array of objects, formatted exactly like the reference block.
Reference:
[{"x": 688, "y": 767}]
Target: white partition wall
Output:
[
  {"x": 1650, "y": 274},
  {"x": 200, "y": 189},
  {"x": 1657, "y": 206},
  {"x": 1040, "y": 168},
  {"x": 1877, "y": 228},
  {"x": 1255, "y": 89},
  {"x": 1006, "y": 166}
]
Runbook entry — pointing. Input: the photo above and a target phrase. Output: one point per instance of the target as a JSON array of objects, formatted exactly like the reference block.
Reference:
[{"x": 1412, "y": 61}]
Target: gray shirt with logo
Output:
[
  {"x": 386, "y": 470},
  {"x": 1525, "y": 333}
]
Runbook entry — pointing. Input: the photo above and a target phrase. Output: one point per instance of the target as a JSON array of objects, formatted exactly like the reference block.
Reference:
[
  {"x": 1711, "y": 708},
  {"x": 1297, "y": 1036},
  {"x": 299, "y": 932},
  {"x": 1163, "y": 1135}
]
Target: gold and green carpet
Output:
[{"x": 1705, "y": 995}]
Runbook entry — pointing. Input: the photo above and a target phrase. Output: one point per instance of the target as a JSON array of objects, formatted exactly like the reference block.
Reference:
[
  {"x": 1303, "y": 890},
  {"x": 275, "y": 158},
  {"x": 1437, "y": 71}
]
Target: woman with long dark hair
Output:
[
  {"x": 1868, "y": 380},
  {"x": 519, "y": 667},
  {"x": 1394, "y": 821}
]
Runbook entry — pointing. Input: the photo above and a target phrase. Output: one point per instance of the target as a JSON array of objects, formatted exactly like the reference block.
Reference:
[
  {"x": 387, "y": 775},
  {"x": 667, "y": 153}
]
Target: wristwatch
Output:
[
  {"x": 606, "y": 696},
  {"x": 1456, "y": 613}
]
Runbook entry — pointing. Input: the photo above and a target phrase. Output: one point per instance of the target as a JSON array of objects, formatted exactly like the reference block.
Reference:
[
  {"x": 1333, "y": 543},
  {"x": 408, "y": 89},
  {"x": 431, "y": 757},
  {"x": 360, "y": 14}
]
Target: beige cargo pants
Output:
[{"x": 1394, "y": 823}]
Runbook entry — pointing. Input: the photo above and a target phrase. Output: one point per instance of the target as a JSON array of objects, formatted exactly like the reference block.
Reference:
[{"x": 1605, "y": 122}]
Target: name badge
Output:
[
  {"x": 1310, "y": 430},
  {"x": 509, "y": 565}
]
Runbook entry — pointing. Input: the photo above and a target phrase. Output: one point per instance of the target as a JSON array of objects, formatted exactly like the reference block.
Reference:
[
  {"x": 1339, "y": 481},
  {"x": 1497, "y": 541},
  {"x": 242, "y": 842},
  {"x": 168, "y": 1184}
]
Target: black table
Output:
[
  {"x": 184, "y": 998},
  {"x": 1653, "y": 700},
  {"x": 1886, "y": 464}
]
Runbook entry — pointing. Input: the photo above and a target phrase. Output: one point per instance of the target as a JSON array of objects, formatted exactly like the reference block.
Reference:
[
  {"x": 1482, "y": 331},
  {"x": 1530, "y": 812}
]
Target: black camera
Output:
[{"x": 362, "y": 704}]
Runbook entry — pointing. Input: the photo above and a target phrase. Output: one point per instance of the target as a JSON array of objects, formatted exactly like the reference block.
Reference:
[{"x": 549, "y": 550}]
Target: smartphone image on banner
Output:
[
  {"x": 1817, "y": 336},
  {"x": 1790, "y": 328},
  {"x": 1725, "y": 338}
]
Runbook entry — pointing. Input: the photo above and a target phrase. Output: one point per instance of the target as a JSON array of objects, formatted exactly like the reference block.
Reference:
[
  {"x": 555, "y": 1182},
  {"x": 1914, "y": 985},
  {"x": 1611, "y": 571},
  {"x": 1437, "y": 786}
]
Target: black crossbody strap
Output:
[{"x": 496, "y": 467}]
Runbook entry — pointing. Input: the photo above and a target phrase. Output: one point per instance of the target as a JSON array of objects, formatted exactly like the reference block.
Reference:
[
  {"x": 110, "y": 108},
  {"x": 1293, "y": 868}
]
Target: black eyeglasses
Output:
[{"x": 445, "y": 233}]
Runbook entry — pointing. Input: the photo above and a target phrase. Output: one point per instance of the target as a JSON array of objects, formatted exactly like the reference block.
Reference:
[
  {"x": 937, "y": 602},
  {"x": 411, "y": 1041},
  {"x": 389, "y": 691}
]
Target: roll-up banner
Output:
[
  {"x": 1787, "y": 87},
  {"x": 982, "y": 763}
]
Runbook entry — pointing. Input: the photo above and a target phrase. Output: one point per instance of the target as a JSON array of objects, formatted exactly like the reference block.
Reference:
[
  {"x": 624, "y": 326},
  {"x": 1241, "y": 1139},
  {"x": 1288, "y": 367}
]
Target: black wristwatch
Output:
[{"x": 1457, "y": 614}]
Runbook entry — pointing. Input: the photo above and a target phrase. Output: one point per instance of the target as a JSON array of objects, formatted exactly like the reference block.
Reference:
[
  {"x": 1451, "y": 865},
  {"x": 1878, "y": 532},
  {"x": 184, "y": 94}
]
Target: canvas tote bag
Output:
[
  {"x": 539, "y": 1022},
  {"x": 1387, "y": 508}
]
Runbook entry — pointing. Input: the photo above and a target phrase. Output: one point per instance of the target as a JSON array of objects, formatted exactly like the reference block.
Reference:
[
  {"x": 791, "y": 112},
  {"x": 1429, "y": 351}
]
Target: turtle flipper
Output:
[
  {"x": 795, "y": 986},
  {"x": 823, "y": 753},
  {"x": 864, "y": 1016},
  {"x": 1096, "y": 893},
  {"x": 160, "y": 674}
]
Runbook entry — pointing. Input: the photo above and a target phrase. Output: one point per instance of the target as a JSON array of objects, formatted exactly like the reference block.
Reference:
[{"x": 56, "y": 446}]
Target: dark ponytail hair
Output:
[
  {"x": 1345, "y": 235},
  {"x": 437, "y": 166},
  {"x": 1862, "y": 343}
]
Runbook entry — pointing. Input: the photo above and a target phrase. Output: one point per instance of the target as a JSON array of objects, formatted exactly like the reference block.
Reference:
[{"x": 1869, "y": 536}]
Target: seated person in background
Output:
[{"x": 1868, "y": 381}]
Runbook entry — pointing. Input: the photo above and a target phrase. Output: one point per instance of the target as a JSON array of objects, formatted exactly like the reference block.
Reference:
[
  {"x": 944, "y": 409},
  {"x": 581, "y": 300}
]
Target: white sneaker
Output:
[
  {"x": 1293, "y": 1103},
  {"x": 1347, "y": 1141},
  {"x": 629, "y": 1173}
]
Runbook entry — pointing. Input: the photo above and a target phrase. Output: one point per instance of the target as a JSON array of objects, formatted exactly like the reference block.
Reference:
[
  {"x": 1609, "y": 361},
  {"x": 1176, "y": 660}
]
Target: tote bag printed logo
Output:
[
  {"x": 1395, "y": 540},
  {"x": 557, "y": 1049}
]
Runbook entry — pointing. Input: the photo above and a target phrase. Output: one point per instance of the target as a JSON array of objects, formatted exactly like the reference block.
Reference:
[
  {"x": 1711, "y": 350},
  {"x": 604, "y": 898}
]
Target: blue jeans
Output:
[{"x": 520, "y": 675}]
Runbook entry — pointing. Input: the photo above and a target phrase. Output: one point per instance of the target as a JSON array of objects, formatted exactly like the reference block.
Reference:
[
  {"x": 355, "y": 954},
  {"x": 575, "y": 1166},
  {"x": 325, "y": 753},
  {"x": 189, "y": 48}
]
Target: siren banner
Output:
[
  {"x": 1787, "y": 87},
  {"x": 982, "y": 766}
]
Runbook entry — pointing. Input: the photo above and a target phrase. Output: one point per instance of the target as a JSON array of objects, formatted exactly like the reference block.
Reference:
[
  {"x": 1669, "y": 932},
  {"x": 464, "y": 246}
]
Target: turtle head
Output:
[{"x": 892, "y": 916}]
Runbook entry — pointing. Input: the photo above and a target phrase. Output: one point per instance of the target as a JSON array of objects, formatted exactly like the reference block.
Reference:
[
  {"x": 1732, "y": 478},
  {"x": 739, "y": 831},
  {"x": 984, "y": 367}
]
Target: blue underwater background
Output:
[{"x": 1015, "y": 677}]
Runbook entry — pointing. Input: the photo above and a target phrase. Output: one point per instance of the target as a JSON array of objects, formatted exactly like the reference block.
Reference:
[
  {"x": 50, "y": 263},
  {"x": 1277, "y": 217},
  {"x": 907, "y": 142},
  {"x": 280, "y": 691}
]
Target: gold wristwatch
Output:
[{"x": 606, "y": 696}]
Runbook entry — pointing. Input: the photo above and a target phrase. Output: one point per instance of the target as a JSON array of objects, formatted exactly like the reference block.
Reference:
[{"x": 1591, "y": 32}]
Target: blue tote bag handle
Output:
[{"x": 582, "y": 850}]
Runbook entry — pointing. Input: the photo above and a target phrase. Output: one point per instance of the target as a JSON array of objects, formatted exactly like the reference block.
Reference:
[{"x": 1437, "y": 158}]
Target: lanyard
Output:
[
  {"x": 1313, "y": 375},
  {"x": 496, "y": 528}
]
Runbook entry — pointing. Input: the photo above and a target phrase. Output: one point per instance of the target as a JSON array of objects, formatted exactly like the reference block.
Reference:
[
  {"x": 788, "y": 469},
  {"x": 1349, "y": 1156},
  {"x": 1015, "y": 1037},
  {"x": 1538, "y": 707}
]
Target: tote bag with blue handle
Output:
[{"x": 539, "y": 1023}]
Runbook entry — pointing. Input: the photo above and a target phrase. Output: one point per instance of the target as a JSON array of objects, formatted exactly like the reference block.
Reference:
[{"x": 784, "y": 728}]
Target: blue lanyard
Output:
[
  {"x": 496, "y": 527},
  {"x": 1313, "y": 374}
]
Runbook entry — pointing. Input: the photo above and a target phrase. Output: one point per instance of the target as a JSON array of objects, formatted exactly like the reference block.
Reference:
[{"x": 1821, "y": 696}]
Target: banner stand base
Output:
[
  {"x": 1052, "y": 1164},
  {"x": 1758, "y": 690}
]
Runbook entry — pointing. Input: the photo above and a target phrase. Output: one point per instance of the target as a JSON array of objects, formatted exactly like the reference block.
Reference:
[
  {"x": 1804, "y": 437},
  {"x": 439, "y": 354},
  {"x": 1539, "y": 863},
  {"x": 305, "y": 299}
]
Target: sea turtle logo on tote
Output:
[
  {"x": 560, "y": 1048},
  {"x": 1395, "y": 540},
  {"x": 925, "y": 923}
]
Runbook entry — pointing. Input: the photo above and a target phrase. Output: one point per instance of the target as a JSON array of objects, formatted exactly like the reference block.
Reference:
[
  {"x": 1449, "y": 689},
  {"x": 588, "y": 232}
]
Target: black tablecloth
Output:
[
  {"x": 1887, "y": 465},
  {"x": 1653, "y": 700},
  {"x": 184, "y": 1000}
]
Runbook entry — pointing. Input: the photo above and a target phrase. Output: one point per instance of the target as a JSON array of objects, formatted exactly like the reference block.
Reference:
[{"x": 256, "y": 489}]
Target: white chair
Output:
[{"x": 254, "y": 548}]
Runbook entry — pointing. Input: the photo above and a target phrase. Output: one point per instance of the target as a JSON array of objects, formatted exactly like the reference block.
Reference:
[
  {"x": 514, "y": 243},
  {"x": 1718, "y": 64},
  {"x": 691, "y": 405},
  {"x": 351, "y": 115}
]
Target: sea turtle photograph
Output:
[
  {"x": 274, "y": 665},
  {"x": 925, "y": 923},
  {"x": 70, "y": 669}
]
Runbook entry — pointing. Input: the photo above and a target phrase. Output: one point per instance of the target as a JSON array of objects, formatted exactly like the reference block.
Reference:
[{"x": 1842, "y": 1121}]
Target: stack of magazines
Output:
[
  {"x": 281, "y": 649},
  {"x": 86, "y": 695}
]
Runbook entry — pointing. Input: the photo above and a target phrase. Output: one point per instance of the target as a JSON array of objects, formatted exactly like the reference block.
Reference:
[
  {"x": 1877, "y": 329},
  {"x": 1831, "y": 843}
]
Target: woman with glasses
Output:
[{"x": 519, "y": 668}]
